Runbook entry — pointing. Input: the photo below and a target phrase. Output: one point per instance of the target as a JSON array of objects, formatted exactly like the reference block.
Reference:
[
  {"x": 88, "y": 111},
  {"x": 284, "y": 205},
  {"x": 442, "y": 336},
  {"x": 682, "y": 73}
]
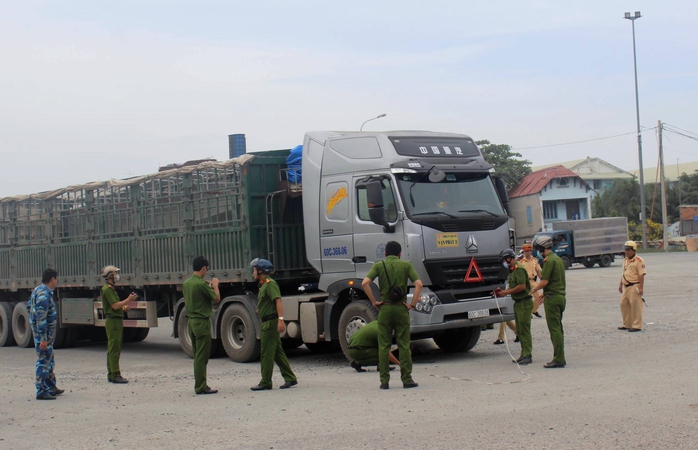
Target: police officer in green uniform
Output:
[
  {"x": 520, "y": 291},
  {"x": 553, "y": 285},
  {"x": 271, "y": 312},
  {"x": 363, "y": 347},
  {"x": 393, "y": 315},
  {"x": 114, "y": 322},
  {"x": 198, "y": 298}
]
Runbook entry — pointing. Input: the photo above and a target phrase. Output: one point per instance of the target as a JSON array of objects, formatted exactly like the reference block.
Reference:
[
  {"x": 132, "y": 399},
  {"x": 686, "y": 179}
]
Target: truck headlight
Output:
[{"x": 426, "y": 303}]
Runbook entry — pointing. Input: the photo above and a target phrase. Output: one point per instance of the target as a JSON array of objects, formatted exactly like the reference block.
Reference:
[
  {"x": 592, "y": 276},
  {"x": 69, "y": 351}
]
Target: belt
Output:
[
  {"x": 270, "y": 317},
  {"x": 530, "y": 297},
  {"x": 113, "y": 317},
  {"x": 630, "y": 284}
]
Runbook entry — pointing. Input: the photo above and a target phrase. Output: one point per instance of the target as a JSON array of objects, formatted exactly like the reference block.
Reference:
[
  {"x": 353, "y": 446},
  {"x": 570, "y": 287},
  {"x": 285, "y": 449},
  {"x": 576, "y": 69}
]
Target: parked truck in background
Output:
[
  {"x": 432, "y": 192},
  {"x": 588, "y": 242}
]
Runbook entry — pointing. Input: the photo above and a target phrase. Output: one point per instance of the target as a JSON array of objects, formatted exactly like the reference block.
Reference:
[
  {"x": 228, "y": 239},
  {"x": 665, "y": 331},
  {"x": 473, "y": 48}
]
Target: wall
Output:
[{"x": 524, "y": 229}]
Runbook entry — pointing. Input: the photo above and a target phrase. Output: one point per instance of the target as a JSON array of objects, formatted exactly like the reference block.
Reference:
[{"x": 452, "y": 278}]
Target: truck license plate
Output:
[{"x": 478, "y": 313}]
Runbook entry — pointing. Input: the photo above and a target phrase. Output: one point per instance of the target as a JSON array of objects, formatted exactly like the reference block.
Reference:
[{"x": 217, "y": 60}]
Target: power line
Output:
[
  {"x": 685, "y": 131},
  {"x": 580, "y": 142},
  {"x": 681, "y": 134}
]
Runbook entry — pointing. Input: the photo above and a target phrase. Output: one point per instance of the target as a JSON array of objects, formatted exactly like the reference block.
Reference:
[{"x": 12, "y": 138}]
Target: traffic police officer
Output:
[
  {"x": 198, "y": 298},
  {"x": 631, "y": 286},
  {"x": 393, "y": 315},
  {"x": 553, "y": 285},
  {"x": 271, "y": 311},
  {"x": 519, "y": 289},
  {"x": 363, "y": 347},
  {"x": 43, "y": 320},
  {"x": 114, "y": 322},
  {"x": 530, "y": 263}
]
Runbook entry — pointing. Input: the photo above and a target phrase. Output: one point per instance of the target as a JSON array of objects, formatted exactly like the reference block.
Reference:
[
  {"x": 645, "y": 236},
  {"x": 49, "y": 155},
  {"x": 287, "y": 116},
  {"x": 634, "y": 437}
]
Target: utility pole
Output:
[
  {"x": 678, "y": 177},
  {"x": 665, "y": 235}
]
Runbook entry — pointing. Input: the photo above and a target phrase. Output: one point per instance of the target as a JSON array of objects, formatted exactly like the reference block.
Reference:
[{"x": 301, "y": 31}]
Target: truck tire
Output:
[
  {"x": 459, "y": 340},
  {"x": 183, "y": 332},
  {"x": 7, "y": 339},
  {"x": 355, "y": 315},
  {"x": 566, "y": 261},
  {"x": 239, "y": 335},
  {"x": 129, "y": 334},
  {"x": 21, "y": 328},
  {"x": 606, "y": 261},
  {"x": 184, "y": 338},
  {"x": 59, "y": 337},
  {"x": 588, "y": 265},
  {"x": 141, "y": 334}
]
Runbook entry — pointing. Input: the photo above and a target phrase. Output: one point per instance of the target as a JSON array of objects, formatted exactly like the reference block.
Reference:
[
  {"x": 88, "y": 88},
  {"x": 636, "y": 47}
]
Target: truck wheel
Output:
[
  {"x": 566, "y": 261},
  {"x": 141, "y": 334},
  {"x": 21, "y": 328},
  {"x": 239, "y": 335},
  {"x": 356, "y": 314},
  {"x": 7, "y": 339},
  {"x": 183, "y": 331},
  {"x": 460, "y": 340},
  {"x": 606, "y": 261},
  {"x": 588, "y": 265},
  {"x": 129, "y": 334},
  {"x": 59, "y": 337}
]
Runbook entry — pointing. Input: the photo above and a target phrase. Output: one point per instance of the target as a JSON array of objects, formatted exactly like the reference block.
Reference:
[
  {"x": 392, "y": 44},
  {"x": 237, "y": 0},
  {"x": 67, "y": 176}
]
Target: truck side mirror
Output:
[
  {"x": 376, "y": 209},
  {"x": 502, "y": 191}
]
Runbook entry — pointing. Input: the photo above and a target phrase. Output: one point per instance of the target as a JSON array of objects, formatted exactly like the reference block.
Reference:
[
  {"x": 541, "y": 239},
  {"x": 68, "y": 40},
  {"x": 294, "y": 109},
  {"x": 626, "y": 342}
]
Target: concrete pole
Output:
[{"x": 665, "y": 219}]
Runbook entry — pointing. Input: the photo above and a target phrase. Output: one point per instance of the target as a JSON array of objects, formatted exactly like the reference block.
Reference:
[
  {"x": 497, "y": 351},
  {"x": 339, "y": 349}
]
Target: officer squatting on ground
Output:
[
  {"x": 363, "y": 348},
  {"x": 43, "y": 318},
  {"x": 271, "y": 311},
  {"x": 114, "y": 322},
  {"x": 393, "y": 311}
]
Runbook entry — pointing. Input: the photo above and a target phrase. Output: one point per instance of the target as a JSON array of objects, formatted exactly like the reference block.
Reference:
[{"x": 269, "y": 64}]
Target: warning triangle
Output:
[{"x": 472, "y": 278}]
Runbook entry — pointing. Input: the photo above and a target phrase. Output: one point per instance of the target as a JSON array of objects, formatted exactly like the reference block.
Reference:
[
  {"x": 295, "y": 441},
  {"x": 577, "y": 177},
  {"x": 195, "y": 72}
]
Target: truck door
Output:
[
  {"x": 336, "y": 240},
  {"x": 369, "y": 238}
]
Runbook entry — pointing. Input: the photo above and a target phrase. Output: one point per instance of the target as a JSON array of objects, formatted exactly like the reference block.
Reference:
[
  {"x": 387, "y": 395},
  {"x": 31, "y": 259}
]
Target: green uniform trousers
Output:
[
  {"x": 394, "y": 318},
  {"x": 273, "y": 352},
  {"x": 200, "y": 334},
  {"x": 522, "y": 315},
  {"x": 115, "y": 338},
  {"x": 554, "y": 307},
  {"x": 365, "y": 356}
]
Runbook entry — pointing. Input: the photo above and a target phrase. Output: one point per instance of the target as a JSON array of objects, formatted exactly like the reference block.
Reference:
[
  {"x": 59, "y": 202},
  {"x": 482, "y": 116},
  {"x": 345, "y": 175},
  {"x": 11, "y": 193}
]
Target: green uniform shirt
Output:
[
  {"x": 398, "y": 270},
  {"x": 268, "y": 292},
  {"x": 554, "y": 272},
  {"x": 365, "y": 337},
  {"x": 519, "y": 276},
  {"x": 109, "y": 297},
  {"x": 198, "y": 297}
]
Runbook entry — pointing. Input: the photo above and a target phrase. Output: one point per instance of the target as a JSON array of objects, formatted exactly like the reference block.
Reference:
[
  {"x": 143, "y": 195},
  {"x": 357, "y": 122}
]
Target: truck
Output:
[
  {"x": 589, "y": 241},
  {"x": 322, "y": 224}
]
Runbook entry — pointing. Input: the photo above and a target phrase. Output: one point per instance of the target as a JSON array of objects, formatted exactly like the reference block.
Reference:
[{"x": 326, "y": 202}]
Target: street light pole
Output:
[
  {"x": 643, "y": 217},
  {"x": 374, "y": 118}
]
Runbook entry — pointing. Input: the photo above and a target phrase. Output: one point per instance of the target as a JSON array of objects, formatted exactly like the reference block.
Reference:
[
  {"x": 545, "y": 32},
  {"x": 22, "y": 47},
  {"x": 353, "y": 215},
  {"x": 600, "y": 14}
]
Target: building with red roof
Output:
[{"x": 548, "y": 195}]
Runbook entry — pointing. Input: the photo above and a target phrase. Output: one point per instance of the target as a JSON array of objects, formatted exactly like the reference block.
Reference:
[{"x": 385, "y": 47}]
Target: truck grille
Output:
[{"x": 447, "y": 278}]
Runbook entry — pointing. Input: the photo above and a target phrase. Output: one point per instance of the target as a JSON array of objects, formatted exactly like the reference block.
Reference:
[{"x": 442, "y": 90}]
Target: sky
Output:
[{"x": 94, "y": 90}]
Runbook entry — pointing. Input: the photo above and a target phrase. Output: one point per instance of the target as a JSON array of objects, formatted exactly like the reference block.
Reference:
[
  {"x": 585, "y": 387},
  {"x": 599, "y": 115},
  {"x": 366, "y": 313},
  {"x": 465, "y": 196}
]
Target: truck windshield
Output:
[{"x": 458, "y": 195}]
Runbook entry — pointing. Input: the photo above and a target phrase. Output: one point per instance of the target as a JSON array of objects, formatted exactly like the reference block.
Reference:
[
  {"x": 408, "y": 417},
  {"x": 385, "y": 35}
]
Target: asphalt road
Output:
[{"x": 619, "y": 389}]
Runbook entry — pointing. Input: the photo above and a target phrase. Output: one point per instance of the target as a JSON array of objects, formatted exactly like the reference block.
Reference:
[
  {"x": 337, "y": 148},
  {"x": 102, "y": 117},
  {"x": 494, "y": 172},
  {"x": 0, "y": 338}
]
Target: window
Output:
[
  {"x": 388, "y": 202},
  {"x": 529, "y": 215},
  {"x": 562, "y": 183},
  {"x": 550, "y": 210}
]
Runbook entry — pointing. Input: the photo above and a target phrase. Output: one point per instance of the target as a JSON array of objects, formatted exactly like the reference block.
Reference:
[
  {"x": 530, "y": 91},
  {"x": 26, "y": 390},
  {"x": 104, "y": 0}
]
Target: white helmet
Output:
[
  {"x": 542, "y": 242},
  {"x": 109, "y": 270}
]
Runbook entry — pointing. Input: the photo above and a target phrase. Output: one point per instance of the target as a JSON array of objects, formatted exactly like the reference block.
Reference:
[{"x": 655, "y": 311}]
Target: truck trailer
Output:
[{"x": 323, "y": 225}]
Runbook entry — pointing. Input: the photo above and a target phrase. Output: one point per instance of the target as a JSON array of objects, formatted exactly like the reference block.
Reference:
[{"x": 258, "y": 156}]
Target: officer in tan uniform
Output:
[
  {"x": 530, "y": 263},
  {"x": 631, "y": 287}
]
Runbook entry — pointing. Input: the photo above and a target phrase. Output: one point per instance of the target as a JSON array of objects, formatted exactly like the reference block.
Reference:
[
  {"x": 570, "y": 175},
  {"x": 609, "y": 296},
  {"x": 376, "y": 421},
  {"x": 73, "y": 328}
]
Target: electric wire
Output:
[
  {"x": 674, "y": 126},
  {"x": 493, "y": 383},
  {"x": 582, "y": 142}
]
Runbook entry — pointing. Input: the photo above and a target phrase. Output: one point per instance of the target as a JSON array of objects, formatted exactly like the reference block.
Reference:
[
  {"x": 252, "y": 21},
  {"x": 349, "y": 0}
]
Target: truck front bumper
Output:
[{"x": 458, "y": 315}]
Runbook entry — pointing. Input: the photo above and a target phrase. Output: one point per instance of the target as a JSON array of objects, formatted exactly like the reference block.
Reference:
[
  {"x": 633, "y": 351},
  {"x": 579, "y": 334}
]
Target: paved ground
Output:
[{"x": 619, "y": 390}]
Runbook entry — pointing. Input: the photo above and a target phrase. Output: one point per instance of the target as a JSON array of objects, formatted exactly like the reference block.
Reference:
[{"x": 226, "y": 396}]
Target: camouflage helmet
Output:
[
  {"x": 109, "y": 270},
  {"x": 542, "y": 242}
]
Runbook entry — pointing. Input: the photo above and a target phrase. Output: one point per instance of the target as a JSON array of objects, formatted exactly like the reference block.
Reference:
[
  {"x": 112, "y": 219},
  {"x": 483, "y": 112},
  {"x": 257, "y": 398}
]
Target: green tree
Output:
[{"x": 507, "y": 163}]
